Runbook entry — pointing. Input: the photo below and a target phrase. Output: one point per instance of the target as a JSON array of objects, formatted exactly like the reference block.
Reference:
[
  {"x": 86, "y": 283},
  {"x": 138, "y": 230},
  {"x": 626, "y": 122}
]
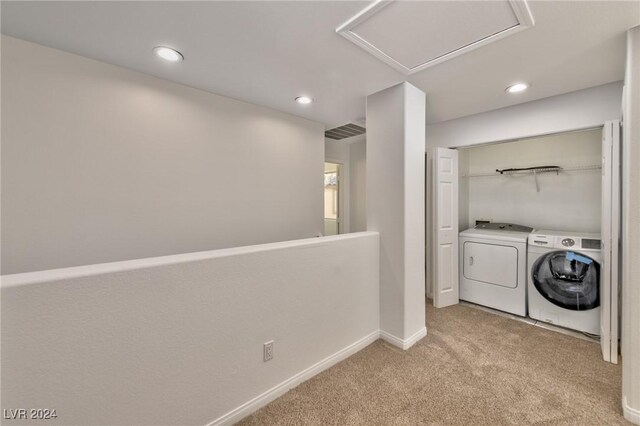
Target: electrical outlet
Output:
[{"x": 267, "y": 351}]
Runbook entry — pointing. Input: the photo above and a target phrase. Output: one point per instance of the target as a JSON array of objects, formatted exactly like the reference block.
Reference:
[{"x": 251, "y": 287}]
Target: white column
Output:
[
  {"x": 395, "y": 207},
  {"x": 631, "y": 232}
]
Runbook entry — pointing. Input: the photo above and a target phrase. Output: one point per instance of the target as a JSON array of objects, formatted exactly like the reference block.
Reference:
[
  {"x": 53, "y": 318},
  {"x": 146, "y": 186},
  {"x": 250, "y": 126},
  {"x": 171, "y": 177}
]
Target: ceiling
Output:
[{"x": 268, "y": 52}]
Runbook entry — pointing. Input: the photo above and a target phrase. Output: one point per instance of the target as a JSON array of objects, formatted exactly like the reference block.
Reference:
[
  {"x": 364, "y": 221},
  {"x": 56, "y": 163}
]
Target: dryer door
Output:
[
  {"x": 491, "y": 263},
  {"x": 568, "y": 279}
]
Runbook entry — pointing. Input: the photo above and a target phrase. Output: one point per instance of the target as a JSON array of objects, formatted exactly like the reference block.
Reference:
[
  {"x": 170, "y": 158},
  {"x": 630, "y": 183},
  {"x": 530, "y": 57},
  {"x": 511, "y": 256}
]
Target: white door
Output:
[
  {"x": 445, "y": 227},
  {"x": 610, "y": 230},
  {"x": 428, "y": 227}
]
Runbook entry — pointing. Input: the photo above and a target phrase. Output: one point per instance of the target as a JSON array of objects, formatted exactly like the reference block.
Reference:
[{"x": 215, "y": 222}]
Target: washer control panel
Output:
[
  {"x": 553, "y": 240},
  {"x": 540, "y": 240}
]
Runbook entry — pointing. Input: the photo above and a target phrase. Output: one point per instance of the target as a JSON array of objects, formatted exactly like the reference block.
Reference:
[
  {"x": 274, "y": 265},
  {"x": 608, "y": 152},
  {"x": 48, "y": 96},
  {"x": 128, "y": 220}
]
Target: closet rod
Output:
[
  {"x": 539, "y": 170},
  {"x": 527, "y": 170}
]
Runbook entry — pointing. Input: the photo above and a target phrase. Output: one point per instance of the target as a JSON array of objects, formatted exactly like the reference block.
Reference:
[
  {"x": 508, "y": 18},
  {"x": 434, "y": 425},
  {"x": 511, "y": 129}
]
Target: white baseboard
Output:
[
  {"x": 279, "y": 390},
  {"x": 630, "y": 414},
  {"x": 261, "y": 400},
  {"x": 403, "y": 343},
  {"x": 390, "y": 338}
]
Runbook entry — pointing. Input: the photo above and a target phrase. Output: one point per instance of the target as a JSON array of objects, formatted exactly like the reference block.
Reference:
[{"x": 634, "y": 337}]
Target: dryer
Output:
[
  {"x": 564, "y": 279},
  {"x": 493, "y": 266}
]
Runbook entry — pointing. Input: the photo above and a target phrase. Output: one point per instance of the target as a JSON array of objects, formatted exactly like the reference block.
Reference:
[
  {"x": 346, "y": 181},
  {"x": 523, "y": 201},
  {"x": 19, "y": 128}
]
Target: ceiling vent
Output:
[
  {"x": 413, "y": 35},
  {"x": 346, "y": 131}
]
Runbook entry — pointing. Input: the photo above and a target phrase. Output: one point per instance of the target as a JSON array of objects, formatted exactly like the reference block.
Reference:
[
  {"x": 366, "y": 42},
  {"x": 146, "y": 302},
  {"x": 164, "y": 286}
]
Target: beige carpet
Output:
[{"x": 474, "y": 367}]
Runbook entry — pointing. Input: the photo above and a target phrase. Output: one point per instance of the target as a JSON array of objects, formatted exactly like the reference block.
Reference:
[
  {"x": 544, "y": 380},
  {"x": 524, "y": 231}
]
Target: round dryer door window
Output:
[{"x": 568, "y": 279}]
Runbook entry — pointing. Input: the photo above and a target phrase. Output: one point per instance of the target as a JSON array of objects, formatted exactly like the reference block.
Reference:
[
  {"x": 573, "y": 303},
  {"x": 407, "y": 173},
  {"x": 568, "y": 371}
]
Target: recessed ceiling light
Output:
[
  {"x": 168, "y": 54},
  {"x": 517, "y": 88},
  {"x": 304, "y": 100}
]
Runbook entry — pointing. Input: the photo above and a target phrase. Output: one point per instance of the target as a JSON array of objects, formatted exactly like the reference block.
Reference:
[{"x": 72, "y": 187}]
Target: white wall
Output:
[
  {"x": 178, "y": 340},
  {"x": 395, "y": 207},
  {"x": 101, "y": 163},
  {"x": 570, "y": 201},
  {"x": 583, "y": 109},
  {"x": 631, "y": 232},
  {"x": 337, "y": 150},
  {"x": 358, "y": 185}
]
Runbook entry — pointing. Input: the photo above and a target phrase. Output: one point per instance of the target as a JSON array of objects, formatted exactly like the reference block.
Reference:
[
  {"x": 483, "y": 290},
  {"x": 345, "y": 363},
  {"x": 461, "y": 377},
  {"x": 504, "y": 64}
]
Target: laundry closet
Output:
[
  {"x": 529, "y": 239},
  {"x": 568, "y": 199}
]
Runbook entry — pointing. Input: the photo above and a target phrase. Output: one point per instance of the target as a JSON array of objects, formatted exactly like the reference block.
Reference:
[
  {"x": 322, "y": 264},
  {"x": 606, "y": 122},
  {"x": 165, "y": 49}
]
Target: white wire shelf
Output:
[{"x": 535, "y": 171}]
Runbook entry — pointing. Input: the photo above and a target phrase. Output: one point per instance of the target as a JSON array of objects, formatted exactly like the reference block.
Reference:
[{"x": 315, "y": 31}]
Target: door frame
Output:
[
  {"x": 610, "y": 237},
  {"x": 429, "y": 236},
  {"x": 343, "y": 194},
  {"x": 428, "y": 290}
]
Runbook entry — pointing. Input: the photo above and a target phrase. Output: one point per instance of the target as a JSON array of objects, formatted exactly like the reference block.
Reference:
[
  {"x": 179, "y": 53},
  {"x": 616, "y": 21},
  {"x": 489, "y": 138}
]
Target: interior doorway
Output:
[
  {"x": 565, "y": 188},
  {"x": 332, "y": 193}
]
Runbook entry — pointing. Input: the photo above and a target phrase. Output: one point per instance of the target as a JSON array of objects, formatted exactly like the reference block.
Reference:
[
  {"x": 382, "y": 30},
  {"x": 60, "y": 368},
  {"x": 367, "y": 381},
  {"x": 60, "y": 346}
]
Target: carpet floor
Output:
[{"x": 473, "y": 367}]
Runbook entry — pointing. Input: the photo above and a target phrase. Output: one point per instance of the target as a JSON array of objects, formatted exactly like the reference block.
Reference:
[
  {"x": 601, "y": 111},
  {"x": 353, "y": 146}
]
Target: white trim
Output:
[
  {"x": 403, "y": 343},
  {"x": 390, "y": 338},
  {"x": 610, "y": 229},
  {"x": 606, "y": 237},
  {"x": 275, "y": 392},
  {"x": 616, "y": 224},
  {"x": 520, "y": 9},
  {"x": 630, "y": 414},
  {"x": 263, "y": 399},
  {"x": 363, "y": 15},
  {"x": 523, "y": 13},
  {"x": 417, "y": 336}
]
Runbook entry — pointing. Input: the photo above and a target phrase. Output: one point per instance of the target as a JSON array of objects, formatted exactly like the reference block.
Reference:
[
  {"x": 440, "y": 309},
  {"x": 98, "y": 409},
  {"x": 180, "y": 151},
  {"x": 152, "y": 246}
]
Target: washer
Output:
[
  {"x": 564, "y": 279},
  {"x": 493, "y": 266}
]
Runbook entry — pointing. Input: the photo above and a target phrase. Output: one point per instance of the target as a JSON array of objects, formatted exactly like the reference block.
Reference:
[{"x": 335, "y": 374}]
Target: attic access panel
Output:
[{"x": 414, "y": 35}]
